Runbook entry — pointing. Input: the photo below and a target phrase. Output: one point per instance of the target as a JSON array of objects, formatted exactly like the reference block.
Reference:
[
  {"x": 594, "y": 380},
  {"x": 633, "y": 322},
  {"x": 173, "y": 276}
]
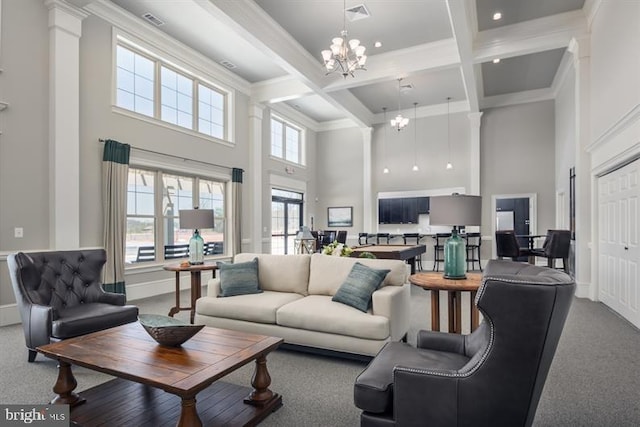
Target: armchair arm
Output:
[
  {"x": 410, "y": 386},
  {"x": 441, "y": 341},
  {"x": 112, "y": 298},
  {"x": 394, "y": 302},
  {"x": 37, "y": 325},
  {"x": 213, "y": 287}
]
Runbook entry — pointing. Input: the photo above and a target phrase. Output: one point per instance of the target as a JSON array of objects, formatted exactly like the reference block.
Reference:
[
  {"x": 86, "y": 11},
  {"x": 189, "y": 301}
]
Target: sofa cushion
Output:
[
  {"x": 319, "y": 313},
  {"x": 282, "y": 273},
  {"x": 327, "y": 273},
  {"x": 240, "y": 278},
  {"x": 357, "y": 288},
  {"x": 260, "y": 308}
]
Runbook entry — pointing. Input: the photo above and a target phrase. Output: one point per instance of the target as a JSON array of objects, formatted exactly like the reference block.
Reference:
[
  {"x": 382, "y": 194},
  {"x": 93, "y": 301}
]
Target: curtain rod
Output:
[{"x": 102, "y": 140}]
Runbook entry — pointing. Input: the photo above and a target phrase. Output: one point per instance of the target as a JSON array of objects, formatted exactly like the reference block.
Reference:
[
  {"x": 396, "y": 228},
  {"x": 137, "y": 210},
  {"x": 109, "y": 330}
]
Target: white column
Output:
[
  {"x": 580, "y": 48},
  {"x": 65, "y": 29},
  {"x": 367, "y": 209},
  {"x": 474, "y": 153},
  {"x": 255, "y": 146}
]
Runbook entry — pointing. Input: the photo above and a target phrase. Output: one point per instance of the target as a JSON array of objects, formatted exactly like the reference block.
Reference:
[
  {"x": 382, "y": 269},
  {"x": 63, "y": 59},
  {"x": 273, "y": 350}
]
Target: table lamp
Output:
[
  {"x": 197, "y": 219},
  {"x": 304, "y": 243},
  {"x": 455, "y": 210}
]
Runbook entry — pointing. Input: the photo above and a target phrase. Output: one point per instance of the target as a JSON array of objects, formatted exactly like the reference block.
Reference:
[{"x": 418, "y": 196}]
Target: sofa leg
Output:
[{"x": 32, "y": 355}]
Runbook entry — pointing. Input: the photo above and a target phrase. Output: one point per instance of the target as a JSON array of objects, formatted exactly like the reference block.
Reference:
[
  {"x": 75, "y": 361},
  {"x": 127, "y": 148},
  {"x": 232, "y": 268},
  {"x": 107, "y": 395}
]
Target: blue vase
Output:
[
  {"x": 454, "y": 257},
  {"x": 196, "y": 249}
]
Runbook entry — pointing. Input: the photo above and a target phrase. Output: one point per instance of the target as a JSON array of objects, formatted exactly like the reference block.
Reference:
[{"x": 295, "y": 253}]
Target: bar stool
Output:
[
  {"x": 473, "y": 241},
  {"x": 362, "y": 236},
  {"x": 382, "y": 236},
  {"x": 438, "y": 249},
  {"x": 409, "y": 236}
]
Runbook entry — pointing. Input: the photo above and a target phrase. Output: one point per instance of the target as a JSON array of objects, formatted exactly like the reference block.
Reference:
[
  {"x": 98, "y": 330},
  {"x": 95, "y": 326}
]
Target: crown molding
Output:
[
  {"x": 429, "y": 111},
  {"x": 295, "y": 116},
  {"x": 627, "y": 121},
  {"x": 523, "y": 97}
]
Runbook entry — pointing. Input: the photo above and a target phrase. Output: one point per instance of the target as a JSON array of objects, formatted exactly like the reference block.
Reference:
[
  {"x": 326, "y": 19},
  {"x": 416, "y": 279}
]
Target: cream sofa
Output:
[{"x": 296, "y": 304}]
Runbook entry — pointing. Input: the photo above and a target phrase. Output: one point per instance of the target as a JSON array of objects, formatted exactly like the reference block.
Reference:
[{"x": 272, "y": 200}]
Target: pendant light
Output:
[
  {"x": 399, "y": 122},
  {"x": 384, "y": 141},
  {"x": 415, "y": 139},
  {"x": 449, "y": 164}
]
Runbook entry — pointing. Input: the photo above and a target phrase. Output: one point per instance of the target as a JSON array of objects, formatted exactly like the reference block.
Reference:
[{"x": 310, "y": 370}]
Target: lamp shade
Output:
[
  {"x": 304, "y": 234},
  {"x": 457, "y": 209},
  {"x": 196, "y": 219}
]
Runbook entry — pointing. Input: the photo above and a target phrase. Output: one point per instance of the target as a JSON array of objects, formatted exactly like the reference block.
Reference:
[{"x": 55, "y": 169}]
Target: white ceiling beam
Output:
[
  {"x": 279, "y": 89},
  {"x": 533, "y": 36},
  {"x": 402, "y": 62},
  {"x": 461, "y": 23},
  {"x": 252, "y": 23}
]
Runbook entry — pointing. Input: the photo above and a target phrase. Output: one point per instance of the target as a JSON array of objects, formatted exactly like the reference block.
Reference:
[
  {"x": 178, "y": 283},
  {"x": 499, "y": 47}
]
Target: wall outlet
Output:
[{"x": 18, "y": 232}]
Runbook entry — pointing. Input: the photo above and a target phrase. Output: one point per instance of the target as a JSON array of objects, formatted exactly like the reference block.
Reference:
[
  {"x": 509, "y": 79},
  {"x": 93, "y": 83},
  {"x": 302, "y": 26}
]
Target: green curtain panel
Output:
[
  {"x": 236, "y": 200},
  {"x": 115, "y": 169}
]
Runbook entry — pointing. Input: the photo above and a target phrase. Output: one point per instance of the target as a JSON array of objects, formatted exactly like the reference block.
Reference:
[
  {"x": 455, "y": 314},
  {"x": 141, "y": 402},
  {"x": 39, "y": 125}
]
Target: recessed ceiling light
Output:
[
  {"x": 497, "y": 16},
  {"x": 378, "y": 44},
  {"x": 495, "y": 61}
]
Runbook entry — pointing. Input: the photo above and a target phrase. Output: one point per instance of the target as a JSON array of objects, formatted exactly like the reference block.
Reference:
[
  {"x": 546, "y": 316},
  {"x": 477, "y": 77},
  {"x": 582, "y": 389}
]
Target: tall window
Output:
[
  {"x": 154, "y": 234},
  {"x": 177, "y": 98},
  {"x": 286, "y": 141},
  {"x": 140, "y": 216},
  {"x": 286, "y": 218},
  {"x": 183, "y": 96},
  {"x": 135, "y": 82}
]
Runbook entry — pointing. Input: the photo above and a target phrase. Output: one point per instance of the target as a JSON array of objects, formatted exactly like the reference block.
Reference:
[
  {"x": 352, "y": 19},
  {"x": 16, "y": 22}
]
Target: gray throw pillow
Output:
[
  {"x": 360, "y": 284},
  {"x": 239, "y": 279}
]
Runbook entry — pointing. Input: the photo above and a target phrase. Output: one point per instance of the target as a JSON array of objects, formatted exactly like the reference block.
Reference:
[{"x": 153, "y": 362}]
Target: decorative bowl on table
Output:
[{"x": 166, "y": 330}]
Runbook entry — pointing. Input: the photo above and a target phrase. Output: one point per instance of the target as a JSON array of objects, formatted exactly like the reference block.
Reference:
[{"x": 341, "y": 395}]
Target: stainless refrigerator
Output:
[{"x": 505, "y": 220}]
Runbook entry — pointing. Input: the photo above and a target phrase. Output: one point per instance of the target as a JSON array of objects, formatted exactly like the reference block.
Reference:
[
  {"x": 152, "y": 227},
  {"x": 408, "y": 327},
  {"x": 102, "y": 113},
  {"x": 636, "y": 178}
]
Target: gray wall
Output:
[
  {"x": 565, "y": 141},
  {"x": 517, "y": 156}
]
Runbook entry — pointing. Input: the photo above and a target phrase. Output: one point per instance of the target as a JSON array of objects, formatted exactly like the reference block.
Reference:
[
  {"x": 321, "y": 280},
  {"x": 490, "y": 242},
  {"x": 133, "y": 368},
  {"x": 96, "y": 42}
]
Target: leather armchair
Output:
[
  {"x": 556, "y": 245},
  {"x": 507, "y": 246},
  {"x": 59, "y": 295},
  {"x": 492, "y": 377}
]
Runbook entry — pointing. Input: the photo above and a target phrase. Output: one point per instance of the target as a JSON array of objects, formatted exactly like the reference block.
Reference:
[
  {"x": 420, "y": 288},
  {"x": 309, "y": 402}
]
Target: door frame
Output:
[{"x": 533, "y": 209}]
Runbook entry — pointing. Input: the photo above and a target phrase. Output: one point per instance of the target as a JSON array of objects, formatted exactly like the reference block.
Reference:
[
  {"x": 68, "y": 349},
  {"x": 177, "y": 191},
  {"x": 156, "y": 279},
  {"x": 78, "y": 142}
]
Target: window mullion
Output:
[
  {"x": 194, "y": 105},
  {"x": 157, "y": 93},
  {"x": 159, "y": 216}
]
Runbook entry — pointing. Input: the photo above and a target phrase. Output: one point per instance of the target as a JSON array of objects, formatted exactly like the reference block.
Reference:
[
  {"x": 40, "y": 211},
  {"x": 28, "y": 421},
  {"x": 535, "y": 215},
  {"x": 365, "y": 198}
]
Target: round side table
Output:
[{"x": 435, "y": 282}]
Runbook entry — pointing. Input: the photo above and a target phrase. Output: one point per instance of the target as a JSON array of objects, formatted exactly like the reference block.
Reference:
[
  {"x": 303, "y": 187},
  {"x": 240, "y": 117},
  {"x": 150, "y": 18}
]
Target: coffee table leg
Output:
[
  {"x": 65, "y": 384},
  {"x": 189, "y": 415},
  {"x": 435, "y": 311},
  {"x": 261, "y": 395}
]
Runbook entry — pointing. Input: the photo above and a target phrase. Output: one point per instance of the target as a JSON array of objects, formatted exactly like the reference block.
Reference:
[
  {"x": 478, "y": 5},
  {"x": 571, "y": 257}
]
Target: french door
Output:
[{"x": 286, "y": 218}]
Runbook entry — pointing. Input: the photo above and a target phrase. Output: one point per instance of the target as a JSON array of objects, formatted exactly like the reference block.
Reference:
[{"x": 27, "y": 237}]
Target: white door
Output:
[{"x": 619, "y": 254}]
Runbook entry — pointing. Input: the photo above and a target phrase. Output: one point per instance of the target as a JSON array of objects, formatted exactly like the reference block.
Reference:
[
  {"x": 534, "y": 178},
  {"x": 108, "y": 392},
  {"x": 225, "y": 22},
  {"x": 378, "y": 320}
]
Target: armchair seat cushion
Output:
[
  {"x": 373, "y": 390},
  {"x": 87, "y": 318}
]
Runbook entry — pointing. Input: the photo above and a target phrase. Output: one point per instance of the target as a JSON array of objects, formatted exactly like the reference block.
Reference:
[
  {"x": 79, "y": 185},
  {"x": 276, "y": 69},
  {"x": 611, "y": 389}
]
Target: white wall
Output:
[{"x": 565, "y": 142}]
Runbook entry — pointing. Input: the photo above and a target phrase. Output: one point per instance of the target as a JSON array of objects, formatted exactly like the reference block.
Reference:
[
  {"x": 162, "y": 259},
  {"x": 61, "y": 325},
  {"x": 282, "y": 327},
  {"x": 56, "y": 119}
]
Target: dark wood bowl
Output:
[{"x": 168, "y": 331}]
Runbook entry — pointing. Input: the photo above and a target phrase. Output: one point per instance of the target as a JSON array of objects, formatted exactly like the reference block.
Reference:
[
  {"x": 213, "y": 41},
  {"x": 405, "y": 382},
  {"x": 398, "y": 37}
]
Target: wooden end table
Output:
[
  {"x": 196, "y": 285},
  {"x": 436, "y": 282}
]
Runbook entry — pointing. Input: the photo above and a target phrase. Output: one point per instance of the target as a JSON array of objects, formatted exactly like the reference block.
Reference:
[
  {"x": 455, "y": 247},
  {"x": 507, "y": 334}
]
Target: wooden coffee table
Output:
[
  {"x": 436, "y": 282},
  {"x": 146, "y": 370}
]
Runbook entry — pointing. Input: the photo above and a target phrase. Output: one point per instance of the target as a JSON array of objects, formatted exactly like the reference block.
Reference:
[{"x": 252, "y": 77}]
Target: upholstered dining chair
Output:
[
  {"x": 507, "y": 246},
  {"x": 59, "y": 295},
  {"x": 492, "y": 377},
  {"x": 556, "y": 246}
]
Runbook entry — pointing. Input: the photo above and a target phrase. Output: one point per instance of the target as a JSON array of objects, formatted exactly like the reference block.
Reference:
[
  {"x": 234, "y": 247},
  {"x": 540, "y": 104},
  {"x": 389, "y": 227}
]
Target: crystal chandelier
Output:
[
  {"x": 399, "y": 122},
  {"x": 342, "y": 56}
]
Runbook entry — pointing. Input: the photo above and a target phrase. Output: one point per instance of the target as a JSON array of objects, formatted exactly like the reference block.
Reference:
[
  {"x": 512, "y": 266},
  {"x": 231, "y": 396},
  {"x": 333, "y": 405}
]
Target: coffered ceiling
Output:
[{"x": 441, "y": 48}]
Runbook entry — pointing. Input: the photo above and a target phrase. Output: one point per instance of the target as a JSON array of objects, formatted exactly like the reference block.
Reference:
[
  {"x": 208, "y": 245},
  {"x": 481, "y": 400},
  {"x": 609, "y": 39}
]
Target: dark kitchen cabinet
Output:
[
  {"x": 409, "y": 210},
  {"x": 423, "y": 205},
  {"x": 384, "y": 211},
  {"x": 400, "y": 210}
]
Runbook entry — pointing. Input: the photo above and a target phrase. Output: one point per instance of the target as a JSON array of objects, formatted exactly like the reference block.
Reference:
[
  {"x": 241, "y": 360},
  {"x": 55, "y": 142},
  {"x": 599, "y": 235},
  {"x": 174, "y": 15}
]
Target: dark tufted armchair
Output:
[
  {"x": 60, "y": 295},
  {"x": 492, "y": 377}
]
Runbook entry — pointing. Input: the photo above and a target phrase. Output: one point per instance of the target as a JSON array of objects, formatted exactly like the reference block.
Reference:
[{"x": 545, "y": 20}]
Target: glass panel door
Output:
[{"x": 286, "y": 218}]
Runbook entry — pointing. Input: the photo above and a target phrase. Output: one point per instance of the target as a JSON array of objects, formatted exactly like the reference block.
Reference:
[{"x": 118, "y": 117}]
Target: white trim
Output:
[
  {"x": 590, "y": 10},
  {"x": 9, "y": 314},
  {"x": 515, "y": 98},
  {"x": 420, "y": 193},
  {"x": 290, "y": 114},
  {"x": 625, "y": 122},
  {"x": 286, "y": 183},
  {"x": 168, "y": 163},
  {"x": 336, "y": 125}
]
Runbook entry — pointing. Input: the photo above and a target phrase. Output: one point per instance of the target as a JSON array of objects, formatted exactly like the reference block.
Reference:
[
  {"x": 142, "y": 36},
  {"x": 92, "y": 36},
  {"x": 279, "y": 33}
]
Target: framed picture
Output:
[{"x": 340, "y": 217}]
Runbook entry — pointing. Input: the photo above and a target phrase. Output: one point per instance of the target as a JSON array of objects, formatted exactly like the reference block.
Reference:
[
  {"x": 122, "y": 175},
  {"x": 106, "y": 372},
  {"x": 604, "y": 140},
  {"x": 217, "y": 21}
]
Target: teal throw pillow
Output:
[
  {"x": 239, "y": 279},
  {"x": 360, "y": 284}
]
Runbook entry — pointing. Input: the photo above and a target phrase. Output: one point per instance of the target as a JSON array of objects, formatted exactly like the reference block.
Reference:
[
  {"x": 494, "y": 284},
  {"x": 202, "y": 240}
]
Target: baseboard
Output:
[
  {"x": 9, "y": 314},
  {"x": 583, "y": 290}
]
